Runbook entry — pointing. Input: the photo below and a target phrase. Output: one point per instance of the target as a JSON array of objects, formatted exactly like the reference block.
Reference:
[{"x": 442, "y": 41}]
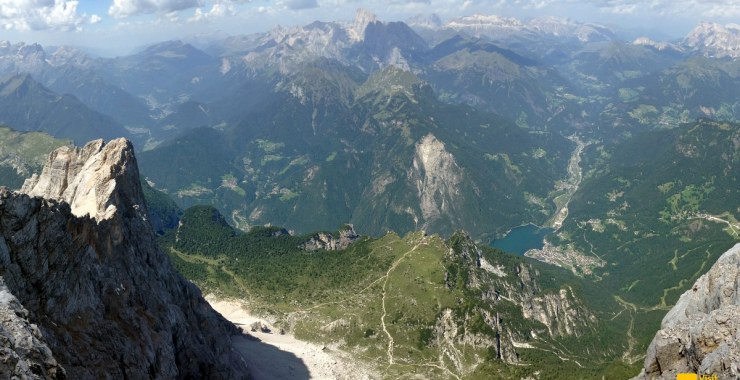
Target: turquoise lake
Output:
[{"x": 523, "y": 238}]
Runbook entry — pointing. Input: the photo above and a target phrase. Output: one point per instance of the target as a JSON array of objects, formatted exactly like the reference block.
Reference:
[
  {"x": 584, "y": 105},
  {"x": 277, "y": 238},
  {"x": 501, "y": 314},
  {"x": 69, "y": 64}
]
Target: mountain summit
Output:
[
  {"x": 94, "y": 297},
  {"x": 96, "y": 180},
  {"x": 715, "y": 40},
  {"x": 363, "y": 18}
]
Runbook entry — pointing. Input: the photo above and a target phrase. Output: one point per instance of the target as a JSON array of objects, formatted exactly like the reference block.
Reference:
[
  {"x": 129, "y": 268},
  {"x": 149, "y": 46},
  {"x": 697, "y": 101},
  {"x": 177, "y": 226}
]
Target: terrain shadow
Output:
[{"x": 268, "y": 362}]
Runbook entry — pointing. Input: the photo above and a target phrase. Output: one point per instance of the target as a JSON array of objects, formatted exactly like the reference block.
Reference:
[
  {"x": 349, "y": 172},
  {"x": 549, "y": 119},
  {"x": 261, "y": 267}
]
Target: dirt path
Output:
[{"x": 382, "y": 317}]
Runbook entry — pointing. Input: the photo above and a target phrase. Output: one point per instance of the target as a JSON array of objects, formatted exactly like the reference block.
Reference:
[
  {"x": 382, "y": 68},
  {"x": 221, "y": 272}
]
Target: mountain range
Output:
[{"x": 428, "y": 139}]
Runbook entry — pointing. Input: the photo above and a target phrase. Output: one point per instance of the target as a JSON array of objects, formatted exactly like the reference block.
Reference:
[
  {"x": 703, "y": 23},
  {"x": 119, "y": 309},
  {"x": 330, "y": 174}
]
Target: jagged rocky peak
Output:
[
  {"x": 701, "y": 333},
  {"x": 66, "y": 55},
  {"x": 96, "y": 180},
  {"x": 486, "y": 21},
  {"x": 715, "y": 40},
  {"x": 647, "y": 41},
  {"x": 34, "y": 49},
  {"x": 363, "y": 18},
  {"x": 94, "y": 297}
]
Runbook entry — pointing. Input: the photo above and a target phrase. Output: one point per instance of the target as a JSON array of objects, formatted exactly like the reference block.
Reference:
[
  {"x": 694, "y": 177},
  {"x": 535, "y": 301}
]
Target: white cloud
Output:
[
  {"x": 622, "y": 9},
  {"x": 24, "y": 15},
  {"x": 126, "y": 8},
  {"x": 94, "y": 19},
  {"x": 701, "y": 8},
  {"x": 219, "y": 8},
  {"x": 300, "y": 4}
]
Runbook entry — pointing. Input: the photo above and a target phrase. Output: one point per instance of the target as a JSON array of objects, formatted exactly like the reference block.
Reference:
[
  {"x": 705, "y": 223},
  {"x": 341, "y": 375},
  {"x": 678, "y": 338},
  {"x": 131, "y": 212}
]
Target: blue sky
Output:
[{"x": 116, "y": 26}]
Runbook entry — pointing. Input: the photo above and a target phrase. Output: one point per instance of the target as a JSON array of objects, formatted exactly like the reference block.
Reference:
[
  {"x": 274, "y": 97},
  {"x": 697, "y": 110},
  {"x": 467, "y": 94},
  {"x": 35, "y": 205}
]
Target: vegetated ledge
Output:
[{"x": 101, "y": 300}]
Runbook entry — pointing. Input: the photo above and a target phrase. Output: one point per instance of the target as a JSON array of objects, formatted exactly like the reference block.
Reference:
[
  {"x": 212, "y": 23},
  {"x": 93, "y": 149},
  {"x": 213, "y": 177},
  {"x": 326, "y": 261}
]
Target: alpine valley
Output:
[{"x": 343, "y": 182}]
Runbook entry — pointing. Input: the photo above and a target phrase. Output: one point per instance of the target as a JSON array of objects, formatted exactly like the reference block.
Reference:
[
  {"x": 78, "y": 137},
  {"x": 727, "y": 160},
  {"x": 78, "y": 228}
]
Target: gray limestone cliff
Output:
[
  {"x": 95, "y": 180},
  {"x": 549, "y": 313},
  {"x": 437, "y": 179},
  {"x": 701, "y": 333},
  {"x": 86, "y": 292},
  {"x": 23, "y": 353}
]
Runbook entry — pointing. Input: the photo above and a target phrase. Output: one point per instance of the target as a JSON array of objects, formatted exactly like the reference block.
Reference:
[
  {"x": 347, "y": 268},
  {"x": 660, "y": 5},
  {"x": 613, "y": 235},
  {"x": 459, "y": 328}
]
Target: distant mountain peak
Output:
[
  {"x": 715, "y": 40},
  {"x": 429, "y": 21},
  {"x": 585, "y": 32},
  {"x": 497, "y": 26},
  {"x": 660, "y": 46},
  {"x": 363, "y": 18},
  {"x": 67, "y": 55},
  {"x": 173, "y": 49},
  {"x": 486, "y": 20}
]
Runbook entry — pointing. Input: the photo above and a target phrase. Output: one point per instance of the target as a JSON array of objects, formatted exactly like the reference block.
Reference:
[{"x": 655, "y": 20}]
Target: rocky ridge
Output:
[
  {"x": 365, "y": 42},
  {"x": 659, "y": 46},
  {"x": 558, "y": 313},
  {"x": 93, "y": 295},
  {"x": 329, "y": 242},
  {"x": 497, "y": 27},
  {"x": 715, "y": 40},
  {"x": 86, "y": 179},
  {"x": 701, "y": 333},
  {"x": 23, "y": 352}
]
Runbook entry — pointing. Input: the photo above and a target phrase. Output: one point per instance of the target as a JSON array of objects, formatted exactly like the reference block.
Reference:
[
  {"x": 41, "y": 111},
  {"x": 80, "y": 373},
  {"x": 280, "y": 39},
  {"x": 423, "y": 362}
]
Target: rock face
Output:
[
  {"x": 87, "y": 179},
  {"x": 701, "y": 334},
  {"x": 96, "y": 298},
  {"x": 23, "y": 353},
  {"x": 552, "y": 313},
  {"x": 715, "y": 40},
  {"x": 326, "y": 241},
  {"x": 437, "y": 178}
]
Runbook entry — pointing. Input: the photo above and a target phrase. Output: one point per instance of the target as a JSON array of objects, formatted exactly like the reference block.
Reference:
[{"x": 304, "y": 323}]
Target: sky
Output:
[{"x": 113, "y": 27}]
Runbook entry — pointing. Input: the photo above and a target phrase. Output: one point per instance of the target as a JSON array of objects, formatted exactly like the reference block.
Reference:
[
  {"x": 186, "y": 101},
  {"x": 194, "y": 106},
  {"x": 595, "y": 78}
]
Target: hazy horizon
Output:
[{"x": 118, "y": 27}]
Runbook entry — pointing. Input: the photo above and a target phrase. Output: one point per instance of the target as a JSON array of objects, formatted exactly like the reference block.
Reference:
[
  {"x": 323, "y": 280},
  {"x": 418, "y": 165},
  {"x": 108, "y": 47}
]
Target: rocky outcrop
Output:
[
  {"x": 715, "y": 40},
  {"x": 87, "y": 179},
  {"x": 23, "y": 354},
  {"x": 701, "y": 333},
  {"x": 548, "y": 313},
  {"x": 84, "y": 265},
  {"x": 329, "y": 242},
  {"x": 561, "y": 312},
  {"x": 437, "y": 178}
]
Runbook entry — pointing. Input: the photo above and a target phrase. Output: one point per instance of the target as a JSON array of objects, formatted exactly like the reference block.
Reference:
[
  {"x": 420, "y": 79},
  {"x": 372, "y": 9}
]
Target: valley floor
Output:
[{"x": 282, "y": 356}]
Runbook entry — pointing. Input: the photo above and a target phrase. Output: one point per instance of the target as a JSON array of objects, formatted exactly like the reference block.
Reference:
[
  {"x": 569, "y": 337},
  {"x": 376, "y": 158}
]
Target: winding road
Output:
[{"x": 575, "y": 176}]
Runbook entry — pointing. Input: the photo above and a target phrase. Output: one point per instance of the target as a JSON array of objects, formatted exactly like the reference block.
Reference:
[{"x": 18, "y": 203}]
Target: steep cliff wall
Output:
[
  {"x": 83, "y": 264},
  {"x": 701, "y": 334},
  {"x": 547, "y": 313}
]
